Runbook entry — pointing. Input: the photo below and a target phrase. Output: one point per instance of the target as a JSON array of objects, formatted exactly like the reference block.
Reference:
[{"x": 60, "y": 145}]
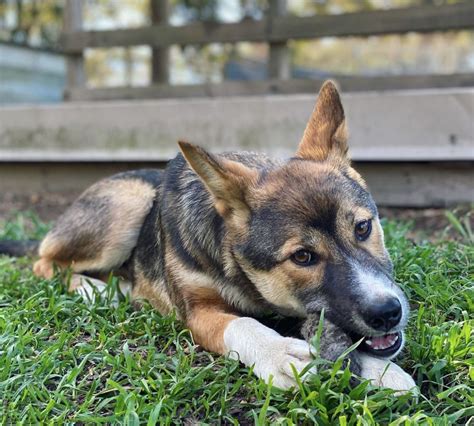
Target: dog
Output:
[{"x": 224, "y": 240}]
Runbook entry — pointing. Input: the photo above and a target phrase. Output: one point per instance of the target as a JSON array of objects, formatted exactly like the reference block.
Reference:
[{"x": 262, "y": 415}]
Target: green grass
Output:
[{"x": 62, "y": 361}]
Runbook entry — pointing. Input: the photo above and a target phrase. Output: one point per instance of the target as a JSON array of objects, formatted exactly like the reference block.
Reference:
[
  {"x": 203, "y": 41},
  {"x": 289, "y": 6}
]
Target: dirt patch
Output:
[
  {"x": 48, "y": 205},
  {"x": 430, "y": 224}
]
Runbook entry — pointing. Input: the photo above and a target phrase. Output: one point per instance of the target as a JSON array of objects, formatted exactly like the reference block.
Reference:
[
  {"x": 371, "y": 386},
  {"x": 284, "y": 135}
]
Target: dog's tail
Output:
[{"x": 19, "y": 248}]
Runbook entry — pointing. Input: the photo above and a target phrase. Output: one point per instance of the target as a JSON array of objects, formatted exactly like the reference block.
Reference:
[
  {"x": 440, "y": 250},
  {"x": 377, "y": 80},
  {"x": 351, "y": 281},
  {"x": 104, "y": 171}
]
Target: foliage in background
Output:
[
  {"x": 65, "y": 361},
  {"x": 338, "y": 6},
  {"x": 31, "y": 22},
  {"x": 39, "y": 23}
]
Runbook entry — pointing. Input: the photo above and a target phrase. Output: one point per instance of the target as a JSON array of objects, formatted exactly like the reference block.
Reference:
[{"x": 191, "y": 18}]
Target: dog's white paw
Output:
[
  {"x": 278, "y": 357},
  {"x": 90, "y": 288},
  {"x": 270, "y": 354},
  {"x": 385, "y": 374}
]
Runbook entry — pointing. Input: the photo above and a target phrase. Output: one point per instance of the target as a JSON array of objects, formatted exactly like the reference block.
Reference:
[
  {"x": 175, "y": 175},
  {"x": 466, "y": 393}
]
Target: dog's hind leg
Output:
[{"x": 98, "y": 232}]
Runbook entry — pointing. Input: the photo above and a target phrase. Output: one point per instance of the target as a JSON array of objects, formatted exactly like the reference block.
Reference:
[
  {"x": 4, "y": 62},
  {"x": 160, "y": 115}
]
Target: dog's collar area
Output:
[{"x": 382, "y": 346}]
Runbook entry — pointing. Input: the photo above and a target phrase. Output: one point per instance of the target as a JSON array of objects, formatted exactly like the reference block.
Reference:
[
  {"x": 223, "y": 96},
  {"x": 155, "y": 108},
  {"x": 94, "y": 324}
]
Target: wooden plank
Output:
[
  {"x": 431, "y": 125},
  {"x": 75, "y": 74},
  {"x": 159, "y": 11},
  {"x": 391, "y": 184},
  {"x": 279, "y": 29},
  {"x": 279, "y": 63},
  {"x": 271, "y": 87}
]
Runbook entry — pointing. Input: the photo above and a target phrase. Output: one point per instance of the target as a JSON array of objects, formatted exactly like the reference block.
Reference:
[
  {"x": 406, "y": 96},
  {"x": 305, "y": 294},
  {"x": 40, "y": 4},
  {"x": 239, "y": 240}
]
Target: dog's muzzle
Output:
[{"x": 383, "y": 317}]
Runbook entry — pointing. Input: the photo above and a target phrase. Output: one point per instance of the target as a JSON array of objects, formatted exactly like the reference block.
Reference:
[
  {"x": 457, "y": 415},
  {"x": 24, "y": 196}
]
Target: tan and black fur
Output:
[{"x": 212, "y": 236}]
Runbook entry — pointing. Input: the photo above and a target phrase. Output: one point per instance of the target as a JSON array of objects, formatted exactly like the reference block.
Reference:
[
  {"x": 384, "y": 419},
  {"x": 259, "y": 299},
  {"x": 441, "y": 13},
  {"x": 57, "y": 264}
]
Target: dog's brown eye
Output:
[
  {"x": 363, "y": 230},
  {"x": 304, "y": 258}
]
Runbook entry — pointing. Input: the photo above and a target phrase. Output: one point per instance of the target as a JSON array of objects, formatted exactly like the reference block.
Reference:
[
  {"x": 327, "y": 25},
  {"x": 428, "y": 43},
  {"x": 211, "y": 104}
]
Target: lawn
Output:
[{"x": 63, "y": 361}]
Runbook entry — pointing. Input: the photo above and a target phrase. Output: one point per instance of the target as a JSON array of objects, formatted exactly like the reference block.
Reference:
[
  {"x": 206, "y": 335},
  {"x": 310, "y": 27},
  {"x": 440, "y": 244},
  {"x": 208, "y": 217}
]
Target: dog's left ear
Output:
[
  {"x": 325, "y": 136},
  {"x": 228, "y": 181}
]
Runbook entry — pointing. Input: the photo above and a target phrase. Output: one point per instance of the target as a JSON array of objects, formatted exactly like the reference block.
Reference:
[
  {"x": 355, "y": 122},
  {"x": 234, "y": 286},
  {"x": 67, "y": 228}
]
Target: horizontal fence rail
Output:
[
  {"x": 281, "y": 28},
  {"x": 269, "y": 87}
]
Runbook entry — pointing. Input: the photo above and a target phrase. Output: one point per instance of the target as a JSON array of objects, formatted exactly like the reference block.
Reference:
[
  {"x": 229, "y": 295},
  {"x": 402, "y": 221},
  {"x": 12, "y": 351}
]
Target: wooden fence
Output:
[{"x": 277, "y": 28}]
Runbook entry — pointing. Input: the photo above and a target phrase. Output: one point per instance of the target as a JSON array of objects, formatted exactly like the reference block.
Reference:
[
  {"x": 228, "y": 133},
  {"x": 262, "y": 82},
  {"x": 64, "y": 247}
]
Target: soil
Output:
[{"x": 48, "y": 206}]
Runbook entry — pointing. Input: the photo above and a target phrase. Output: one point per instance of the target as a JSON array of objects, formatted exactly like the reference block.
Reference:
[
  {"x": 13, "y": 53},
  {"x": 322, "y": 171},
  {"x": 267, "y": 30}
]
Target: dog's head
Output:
[{"x": 307, "y": 232}]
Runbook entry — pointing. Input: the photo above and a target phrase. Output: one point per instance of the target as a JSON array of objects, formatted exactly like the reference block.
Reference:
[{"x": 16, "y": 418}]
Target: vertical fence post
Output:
[
  {"x": 159, "y": 10},
  {"x": 279, "y": 66},
  {"x": 75, "y": 73}
]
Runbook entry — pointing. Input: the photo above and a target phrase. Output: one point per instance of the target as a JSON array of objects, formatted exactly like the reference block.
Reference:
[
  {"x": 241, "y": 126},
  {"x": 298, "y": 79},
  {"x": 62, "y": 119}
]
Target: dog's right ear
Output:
[
  {"x": 228, "y": 181},
  {"x": 325, "y": 135}
]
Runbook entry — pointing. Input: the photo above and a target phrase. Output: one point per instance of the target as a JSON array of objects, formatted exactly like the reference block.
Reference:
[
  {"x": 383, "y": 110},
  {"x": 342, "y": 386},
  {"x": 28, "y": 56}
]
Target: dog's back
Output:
[{"x": 138, "y": 223}]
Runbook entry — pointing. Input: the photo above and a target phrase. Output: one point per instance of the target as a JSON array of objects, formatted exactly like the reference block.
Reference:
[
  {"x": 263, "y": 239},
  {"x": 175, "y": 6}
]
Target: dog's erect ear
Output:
[
  {"x": 228, "y": 181},
  {"x": 325, "y": 135}
]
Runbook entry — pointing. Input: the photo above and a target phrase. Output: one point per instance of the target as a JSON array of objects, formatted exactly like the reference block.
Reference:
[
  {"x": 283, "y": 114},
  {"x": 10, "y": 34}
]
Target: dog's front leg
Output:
[
  {"x": 385, "y": 373},
  {"x": 270, "y": 353},
  {"x": 249, "y": 341}
]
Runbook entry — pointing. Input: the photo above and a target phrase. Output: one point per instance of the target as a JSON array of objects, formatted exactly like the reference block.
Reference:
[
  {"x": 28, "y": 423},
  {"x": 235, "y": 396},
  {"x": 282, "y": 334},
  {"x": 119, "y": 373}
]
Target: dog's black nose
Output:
[{"x": 385, "y": 315}]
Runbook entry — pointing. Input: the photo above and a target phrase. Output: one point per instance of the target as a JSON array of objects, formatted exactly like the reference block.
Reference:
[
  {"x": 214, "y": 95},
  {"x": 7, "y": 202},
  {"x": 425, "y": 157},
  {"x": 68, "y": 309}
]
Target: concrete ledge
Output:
[{"x": 425, "y": 125}]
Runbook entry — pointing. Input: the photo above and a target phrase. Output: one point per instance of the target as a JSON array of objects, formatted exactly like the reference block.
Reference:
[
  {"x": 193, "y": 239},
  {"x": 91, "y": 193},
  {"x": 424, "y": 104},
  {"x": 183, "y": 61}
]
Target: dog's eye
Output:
[
  {"x": 363, "y": 230},
  {"x": 304, "y": 258}
]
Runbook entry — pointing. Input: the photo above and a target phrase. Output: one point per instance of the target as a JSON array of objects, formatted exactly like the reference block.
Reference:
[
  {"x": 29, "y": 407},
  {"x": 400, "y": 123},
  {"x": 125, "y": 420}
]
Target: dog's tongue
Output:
[{"x": 382, "y": 342}]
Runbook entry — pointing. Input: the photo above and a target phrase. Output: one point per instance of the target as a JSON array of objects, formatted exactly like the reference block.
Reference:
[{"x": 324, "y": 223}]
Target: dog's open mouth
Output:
[{"x": 383, "y": 346}]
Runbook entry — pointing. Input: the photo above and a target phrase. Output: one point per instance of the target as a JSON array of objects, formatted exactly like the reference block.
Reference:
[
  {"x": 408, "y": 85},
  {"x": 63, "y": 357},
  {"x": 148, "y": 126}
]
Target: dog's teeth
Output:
[{"x": 382, "y": 342}]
